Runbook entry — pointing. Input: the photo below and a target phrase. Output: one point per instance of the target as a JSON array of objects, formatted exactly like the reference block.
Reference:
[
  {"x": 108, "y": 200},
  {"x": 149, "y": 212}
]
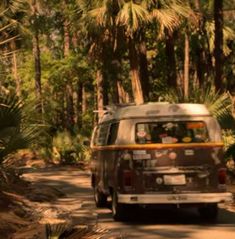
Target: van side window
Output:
[
  {"x": 100, "y": 137},
  {"x": 113, "y": 133}
]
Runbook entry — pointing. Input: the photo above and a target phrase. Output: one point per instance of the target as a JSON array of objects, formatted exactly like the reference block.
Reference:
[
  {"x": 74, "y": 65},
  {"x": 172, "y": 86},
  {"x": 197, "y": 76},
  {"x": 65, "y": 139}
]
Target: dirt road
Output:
[{"x": 78, "y": 206}]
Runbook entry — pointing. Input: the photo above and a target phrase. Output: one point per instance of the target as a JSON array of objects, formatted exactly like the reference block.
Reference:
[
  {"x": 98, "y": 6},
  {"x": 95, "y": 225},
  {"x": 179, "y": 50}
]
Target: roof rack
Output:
[{"x": 115, "y": 106}]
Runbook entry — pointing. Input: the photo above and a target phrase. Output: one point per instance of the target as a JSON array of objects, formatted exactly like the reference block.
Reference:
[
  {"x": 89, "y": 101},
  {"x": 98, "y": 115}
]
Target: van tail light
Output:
[
  {"x": 222, "y": 175},
  {"x": 127, "y": 178}
]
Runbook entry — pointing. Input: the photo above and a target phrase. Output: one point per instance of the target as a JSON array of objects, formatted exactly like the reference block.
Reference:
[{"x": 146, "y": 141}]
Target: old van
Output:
[{"x": 159, "y": 154}]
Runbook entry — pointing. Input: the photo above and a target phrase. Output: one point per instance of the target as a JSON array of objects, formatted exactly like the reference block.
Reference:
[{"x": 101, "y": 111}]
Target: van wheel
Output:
[
  {"x": 118, "y": 210},
  {"x": 209, "y": 212},
  {"x": 100, "y": 198}
]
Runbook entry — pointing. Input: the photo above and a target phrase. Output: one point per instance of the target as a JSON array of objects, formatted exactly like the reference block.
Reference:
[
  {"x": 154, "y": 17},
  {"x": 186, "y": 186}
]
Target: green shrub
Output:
[{"x": 69, "y": 149}]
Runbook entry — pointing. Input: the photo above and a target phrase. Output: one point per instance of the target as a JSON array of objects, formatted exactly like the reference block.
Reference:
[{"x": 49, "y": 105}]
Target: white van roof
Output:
[{"x": 154, "y": 109}]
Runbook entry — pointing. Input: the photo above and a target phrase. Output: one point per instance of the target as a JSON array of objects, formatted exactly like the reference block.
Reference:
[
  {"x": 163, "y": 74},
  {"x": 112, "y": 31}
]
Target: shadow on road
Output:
[
  {"x": 177, "y": 223},
  {"x": 187, "y": 216},
  {"x": 68, "y": 180},
  {"x": 140, "y": 223}
]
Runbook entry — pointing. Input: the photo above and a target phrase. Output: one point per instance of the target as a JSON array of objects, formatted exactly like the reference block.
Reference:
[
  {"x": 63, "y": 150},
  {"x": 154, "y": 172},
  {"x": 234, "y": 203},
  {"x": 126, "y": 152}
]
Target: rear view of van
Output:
[{"x": 159, "y": 154}]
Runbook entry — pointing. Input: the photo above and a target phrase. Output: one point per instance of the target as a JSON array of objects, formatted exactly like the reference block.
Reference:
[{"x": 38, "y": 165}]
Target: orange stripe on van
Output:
[{"x": 157, "y": 146}]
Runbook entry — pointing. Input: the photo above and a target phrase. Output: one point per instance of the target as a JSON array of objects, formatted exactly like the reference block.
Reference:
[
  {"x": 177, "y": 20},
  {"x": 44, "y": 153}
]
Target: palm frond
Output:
[
  {"x": 170, "y": 95},
  {"x": 100, "y": 16},
  {"x": 16, "y": 131},
  {"x": 228, "y": 34},
  {"x": 230, "y": 152},
  {"x": 10, "y": 112},
  {"x": 6, "y": 133},
  {"x": 13, "y": 6},
  {"x": 56, "y": 230},
  {"x": 7, "y": 26},
  {"x": 170, "y": 14},
  {"x": 229, "y": 143},
  {"x": 220, "y": 105},
  {"x": 166, "y": 18},
  {"x": 132, "y": 16},
  {"x": 183, "y": 10}
]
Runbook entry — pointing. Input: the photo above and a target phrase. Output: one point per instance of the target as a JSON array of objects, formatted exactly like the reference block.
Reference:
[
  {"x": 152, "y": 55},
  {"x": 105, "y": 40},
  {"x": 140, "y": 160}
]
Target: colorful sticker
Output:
[
  {"x": 168, "y": 140},
  {"x": 195, "y": 125},
  {"x": 187, "y": 139},
  {"x": 141, "y": 134},
  {"x": 172, "y": 155}
]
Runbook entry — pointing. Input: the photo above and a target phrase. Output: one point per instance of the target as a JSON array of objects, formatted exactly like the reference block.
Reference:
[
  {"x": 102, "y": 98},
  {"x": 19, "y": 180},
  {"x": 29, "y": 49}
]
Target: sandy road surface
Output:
[{"x": 78, "y": 205}]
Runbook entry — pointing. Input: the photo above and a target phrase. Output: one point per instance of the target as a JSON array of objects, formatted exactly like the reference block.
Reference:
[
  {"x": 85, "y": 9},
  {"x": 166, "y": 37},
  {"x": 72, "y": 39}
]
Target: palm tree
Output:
[
  {"x": 200, "y": 48},
  {"x": 133, "y": 17},
  {"x": 100, "y": 43},
  {"x": 205, "y": 47},
  {"x": 218, "y": 50},
  {"x": 188, "y": 22}
]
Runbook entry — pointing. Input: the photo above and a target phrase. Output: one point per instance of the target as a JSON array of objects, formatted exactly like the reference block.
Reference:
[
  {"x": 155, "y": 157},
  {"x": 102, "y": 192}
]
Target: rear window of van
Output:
[{"x": 171, "y": 132}]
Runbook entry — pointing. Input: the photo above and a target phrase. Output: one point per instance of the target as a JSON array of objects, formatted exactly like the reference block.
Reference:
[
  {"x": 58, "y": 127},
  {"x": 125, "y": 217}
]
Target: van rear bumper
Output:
[{"x": 182, "y": 198}]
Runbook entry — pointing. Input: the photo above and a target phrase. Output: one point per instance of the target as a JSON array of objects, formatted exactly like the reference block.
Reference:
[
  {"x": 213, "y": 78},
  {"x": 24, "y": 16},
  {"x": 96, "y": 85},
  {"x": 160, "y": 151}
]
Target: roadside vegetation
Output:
[
  {"x": 69, "y": 58},
  {"x": 63, "y": 61}
]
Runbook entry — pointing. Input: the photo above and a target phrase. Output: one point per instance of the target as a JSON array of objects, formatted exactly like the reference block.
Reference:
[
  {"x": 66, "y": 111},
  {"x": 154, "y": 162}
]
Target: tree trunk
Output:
[
  {"x": 37, "y": 66},
  {"x": 59, "y": 118},
  {"x": 204, "y": 59},
  {"x": 123, "y": 95},
  {"x": 69, "y": 85},
  {"x": 15, "y": 69},
  {"x": 15, "y": 74},
  {"x": 186, "y": 66},
  {"x": 144, "y": 76},
  {"x": 200, "y": 65},
  {"x": 170, "y": 57},
  {"x": 66, "y": 38},
  {"x": 70, "y": 115},
  {"x": 218, "y": 50},
  {"x": 197, "y": 5},
  {"x": 200, "y": 47},
  {"x": 106, "y": 85},
  {"x": 100, "y": 93},
  {"x": 84, "y": 100},
  {"x": 115, "y": 74},
  {"x": 37, "y": 60},
  {"x": 80, "y": 88},
  {"x": 135, "y": 73},
  {"x": 69, "y": 107}
]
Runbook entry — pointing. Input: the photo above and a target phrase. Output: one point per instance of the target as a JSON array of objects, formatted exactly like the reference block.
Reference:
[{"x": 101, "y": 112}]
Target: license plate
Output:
[{"x": 174, "y": 179}]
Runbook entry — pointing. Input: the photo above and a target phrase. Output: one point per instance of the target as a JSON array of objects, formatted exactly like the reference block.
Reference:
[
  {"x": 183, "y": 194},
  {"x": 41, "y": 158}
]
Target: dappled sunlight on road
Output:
[{"x": 142, "y": 223}]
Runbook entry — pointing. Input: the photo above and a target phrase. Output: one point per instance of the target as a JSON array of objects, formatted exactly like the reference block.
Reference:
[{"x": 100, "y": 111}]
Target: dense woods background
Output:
[{"x": 68, "y": 58}]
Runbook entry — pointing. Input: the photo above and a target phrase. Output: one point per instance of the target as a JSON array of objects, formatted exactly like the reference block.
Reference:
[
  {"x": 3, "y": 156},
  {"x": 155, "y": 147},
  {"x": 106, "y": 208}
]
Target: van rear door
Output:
[{"x": 176, "y": 157}]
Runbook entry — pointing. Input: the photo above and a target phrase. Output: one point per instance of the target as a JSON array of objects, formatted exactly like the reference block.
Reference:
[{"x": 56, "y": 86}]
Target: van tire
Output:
[
  {"x": 209, "y": 212},
  {"x": 100, "y": 198},
  {"x": 118, "y": 209}
]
